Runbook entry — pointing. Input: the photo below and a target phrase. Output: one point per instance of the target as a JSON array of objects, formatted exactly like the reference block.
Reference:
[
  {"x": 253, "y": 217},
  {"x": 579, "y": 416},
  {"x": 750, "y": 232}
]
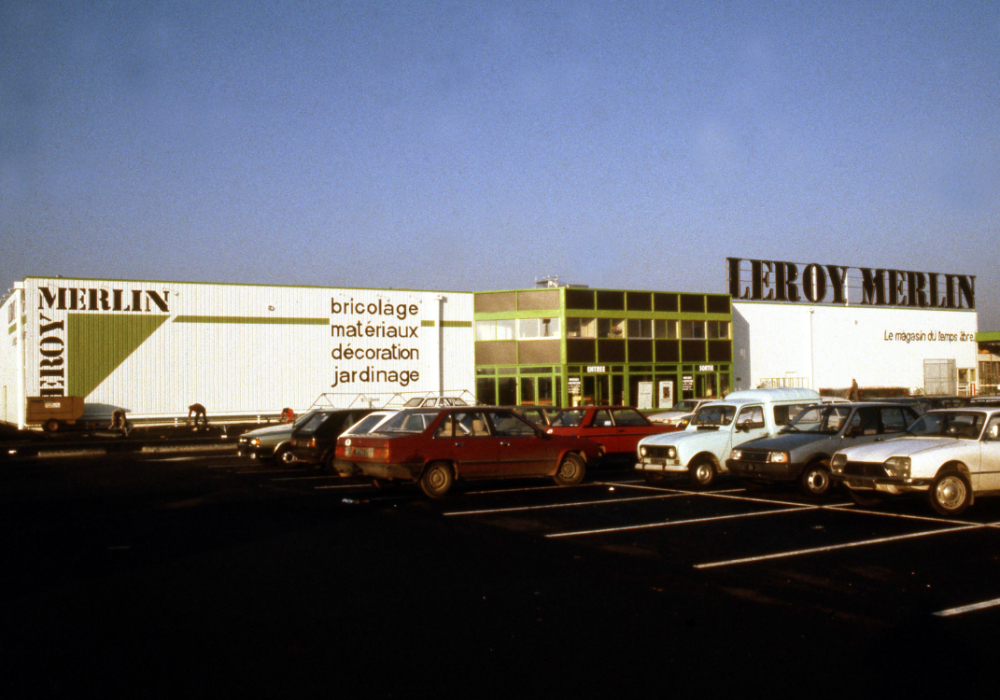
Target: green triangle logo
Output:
[{"x": 96, "y": 344}]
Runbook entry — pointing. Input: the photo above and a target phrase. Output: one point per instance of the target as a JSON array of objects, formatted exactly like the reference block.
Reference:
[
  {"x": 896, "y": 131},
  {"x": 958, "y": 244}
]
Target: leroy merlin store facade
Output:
[{"x": 153, "y": 348}]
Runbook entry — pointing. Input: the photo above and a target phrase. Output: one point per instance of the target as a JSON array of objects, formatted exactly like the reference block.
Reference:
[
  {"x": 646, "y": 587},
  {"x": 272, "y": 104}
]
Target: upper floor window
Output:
[
  {"x": 528, "y": 328},
  {"x": 610, "y": 328},
  {"x": 581, "y": 327},
  {"x": 693, "y": 330},
  {"x": 718, "y": 329},
  {"x": 495, "y": 330},
  {"x": 640, "y": 328}
]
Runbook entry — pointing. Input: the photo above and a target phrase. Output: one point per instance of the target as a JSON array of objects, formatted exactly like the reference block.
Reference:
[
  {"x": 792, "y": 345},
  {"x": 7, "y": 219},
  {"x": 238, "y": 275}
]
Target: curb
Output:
[{"x": 34, "y": 451}]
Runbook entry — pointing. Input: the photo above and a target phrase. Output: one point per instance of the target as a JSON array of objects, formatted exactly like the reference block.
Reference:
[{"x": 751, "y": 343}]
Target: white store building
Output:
[
  {"x": 154, "y": 347},
  {"x": 824, "y": 326}
]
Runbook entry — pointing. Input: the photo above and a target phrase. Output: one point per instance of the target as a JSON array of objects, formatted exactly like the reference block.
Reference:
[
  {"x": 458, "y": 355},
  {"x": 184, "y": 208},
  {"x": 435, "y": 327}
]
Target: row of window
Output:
[{"x": 535, "y": 328}]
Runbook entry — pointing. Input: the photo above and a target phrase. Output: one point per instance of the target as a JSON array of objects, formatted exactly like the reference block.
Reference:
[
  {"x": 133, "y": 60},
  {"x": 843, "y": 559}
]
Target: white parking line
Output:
[
  {"x": 670, "y": 523},
  {"x": 561, "y": 505},
  {"x": 526, "y": 488},
  {"x": 306, "y": 478},
  {"x": 342, "y": 486},
  {"x": 834, "y": 547},
  {"x": 969, "y": 608}
]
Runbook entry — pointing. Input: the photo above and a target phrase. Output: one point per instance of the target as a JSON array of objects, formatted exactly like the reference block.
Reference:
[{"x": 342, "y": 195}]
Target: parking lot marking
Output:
[
  {"x": 515, "y": 509},
  {"x": 834, "y": 547},
  {"x": 340, "y": 486},
  {"x": 670, "y": 523},
  {"x": 969, "y": 608},
  {"x": 903, "y": 516},
  {"x": 526, "y": 488},
  {"x": 304, "y": 478}
]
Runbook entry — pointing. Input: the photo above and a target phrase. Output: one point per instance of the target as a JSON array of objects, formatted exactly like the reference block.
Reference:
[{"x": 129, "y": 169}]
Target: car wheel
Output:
[
  {"x": 654, "y": 478},
  {"x": 865, "y": 499},
  {"x": 950, "y": 494},
  {"x": 702, "y": 473},
  {"x": 284, "y": 456},
  {"x": 51, "y": 426},
  {"x": 570, "y": 471},
  {"x": 815, "y": 479},
  {"x": 437, "y": 480}
]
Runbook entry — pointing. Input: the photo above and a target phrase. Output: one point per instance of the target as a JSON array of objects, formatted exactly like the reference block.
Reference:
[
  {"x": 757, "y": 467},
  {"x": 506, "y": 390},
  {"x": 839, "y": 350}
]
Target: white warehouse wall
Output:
[
  {"x": 828, "y": 346},
  {"x": 154, "y": 348}
]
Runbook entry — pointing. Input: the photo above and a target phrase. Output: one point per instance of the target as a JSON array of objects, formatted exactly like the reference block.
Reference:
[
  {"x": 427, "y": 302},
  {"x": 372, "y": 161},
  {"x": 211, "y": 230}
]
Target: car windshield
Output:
[
  {"x": 685, "y": 406},
  {"x": 313, "y": 421},
  {"x": 953, "y": 424},
  {"x": 304, "y": 417},
  {"x": 827, "y": 420},
  {"x": 408, "y": 422},
  {"x": 570, "y": 418},
  {"x": 717, "y": 416},
  {"x": 366, "y": 424}
]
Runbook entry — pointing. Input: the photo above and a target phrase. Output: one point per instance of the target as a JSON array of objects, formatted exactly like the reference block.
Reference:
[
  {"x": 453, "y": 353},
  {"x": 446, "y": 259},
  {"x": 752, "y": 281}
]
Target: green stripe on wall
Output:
[
  {"x": 12, "y": 328},
  {"x": 448, "y": 324},
  {"x": 254, "y": 320}
]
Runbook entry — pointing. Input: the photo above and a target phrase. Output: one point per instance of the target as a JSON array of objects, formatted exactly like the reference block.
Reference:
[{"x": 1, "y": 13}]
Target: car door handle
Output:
[
  {"x": 459, "y": 444},
  {"x": 504, "y": 444}
]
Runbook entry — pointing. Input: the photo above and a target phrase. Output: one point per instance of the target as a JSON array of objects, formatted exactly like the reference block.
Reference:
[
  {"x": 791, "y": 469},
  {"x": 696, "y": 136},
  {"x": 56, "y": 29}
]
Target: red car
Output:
[
  {"x": 435, "y": 447},
  {"x": 617, "y": 429}
]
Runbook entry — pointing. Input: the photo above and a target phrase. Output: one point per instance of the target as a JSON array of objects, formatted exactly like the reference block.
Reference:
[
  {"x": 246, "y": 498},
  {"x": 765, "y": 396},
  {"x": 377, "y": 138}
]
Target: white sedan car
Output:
[{"x": 951, "y": 454}]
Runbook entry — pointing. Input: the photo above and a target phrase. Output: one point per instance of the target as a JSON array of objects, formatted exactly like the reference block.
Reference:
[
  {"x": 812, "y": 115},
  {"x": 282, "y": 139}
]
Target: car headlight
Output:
[
  {"x": 779, "y": 457},
  {"x": 838, "y": 463},
  {"x": 643, "y": 450},
  {"x": 255, "y": 442},
  {"x": 898, "y": 466},
  {"x": 672, "y": 452},
  {"x": 736, "y": 455}
]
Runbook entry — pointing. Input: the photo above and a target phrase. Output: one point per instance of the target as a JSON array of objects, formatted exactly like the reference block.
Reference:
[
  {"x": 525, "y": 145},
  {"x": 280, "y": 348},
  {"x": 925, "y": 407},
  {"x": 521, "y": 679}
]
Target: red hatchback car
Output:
[
  {"x": 617, "y": 429},
  {"x": 435, "y": 447}
]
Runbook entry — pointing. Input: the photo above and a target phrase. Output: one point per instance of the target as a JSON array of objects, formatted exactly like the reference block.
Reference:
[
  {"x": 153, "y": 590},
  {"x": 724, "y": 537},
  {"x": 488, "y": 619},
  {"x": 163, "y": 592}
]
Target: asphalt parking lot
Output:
[{"x": 159, "y": 573}]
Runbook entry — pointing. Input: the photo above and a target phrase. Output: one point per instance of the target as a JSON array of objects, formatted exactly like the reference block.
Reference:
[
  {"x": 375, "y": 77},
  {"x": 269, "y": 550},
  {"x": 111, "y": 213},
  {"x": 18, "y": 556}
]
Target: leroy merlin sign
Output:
[{"x": 772, "y": 280}]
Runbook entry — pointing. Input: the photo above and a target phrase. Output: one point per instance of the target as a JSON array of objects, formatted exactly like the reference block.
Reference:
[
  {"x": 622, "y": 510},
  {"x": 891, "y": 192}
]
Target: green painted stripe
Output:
[
  {"x": 988, "y": 337},
  {"x": 447, "y": 324},
  {"x": 12, "y": 328},
  {"x": 255, "y": 320}
]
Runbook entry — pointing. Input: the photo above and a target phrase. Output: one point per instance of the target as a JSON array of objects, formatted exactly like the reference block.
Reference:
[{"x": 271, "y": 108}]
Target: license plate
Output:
[
  {"x": 362, "y": 451},
  {"x": 862, "y": 483}
]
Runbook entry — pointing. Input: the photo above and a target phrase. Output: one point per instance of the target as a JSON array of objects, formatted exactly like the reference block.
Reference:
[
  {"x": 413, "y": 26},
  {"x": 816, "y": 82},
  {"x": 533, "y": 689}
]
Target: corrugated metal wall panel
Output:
[
  {"x": 9, "y": 361},
  {"x": 154, "y": 348}
]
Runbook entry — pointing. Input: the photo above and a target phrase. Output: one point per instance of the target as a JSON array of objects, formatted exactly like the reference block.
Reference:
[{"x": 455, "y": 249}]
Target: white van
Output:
[{"x": 701, "y": 449}]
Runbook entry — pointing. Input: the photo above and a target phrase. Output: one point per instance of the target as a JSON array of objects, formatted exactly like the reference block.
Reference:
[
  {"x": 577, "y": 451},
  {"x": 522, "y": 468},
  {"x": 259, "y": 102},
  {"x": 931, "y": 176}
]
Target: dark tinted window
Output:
[
  {"x": 895, "y": 420},
  {"x": 628, "y": 416},
  {"x": 509, "y": 425}
]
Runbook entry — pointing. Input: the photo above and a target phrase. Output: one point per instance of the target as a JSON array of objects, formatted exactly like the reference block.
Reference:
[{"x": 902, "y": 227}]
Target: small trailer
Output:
[{"x": 54, "y": 412}]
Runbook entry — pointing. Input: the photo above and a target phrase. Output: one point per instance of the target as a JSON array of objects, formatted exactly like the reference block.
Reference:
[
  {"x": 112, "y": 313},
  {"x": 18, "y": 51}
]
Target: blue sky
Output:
[{"x": 481, "y": 145}]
